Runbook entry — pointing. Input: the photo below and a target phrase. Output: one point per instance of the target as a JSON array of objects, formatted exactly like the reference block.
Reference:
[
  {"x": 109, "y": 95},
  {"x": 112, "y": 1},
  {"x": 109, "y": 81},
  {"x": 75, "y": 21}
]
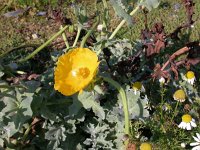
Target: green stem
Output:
[
  {"x": 105, "y": 4},
  {"x": 11, "y": 86},
  {"x": 124, "y": 102},
  {"x": 26, "y": 133},
  {"x": 106, "y": 13},
  {"x": 65, "y": 38},
  {"x": 162, "y": 102},
  {"x": 123, "y": 22},
  {"x": 175, "y": 111},
  {"x": 77, "y": 36},
  {"x": 89, "y": 33},
  {"x": 19, "y": 47},
  {"x": 43, "y": 45}
]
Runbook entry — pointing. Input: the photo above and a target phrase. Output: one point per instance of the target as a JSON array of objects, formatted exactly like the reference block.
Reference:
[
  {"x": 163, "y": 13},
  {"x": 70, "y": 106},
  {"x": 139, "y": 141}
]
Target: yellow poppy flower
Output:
[
  {"x": 75, "y": 70},
  {"x": 145, "y": 146}
]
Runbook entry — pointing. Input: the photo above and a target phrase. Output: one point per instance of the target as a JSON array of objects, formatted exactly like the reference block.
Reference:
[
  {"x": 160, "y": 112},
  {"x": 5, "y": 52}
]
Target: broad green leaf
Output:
[
  {"x": 26, "y": 106},
  {"x": 99, "y": 136},
  {"x": 55, "y": 135},
  {"x": 1, "y": 143},
  {"x": 136, "y": 104},
  {"x": 32, "y": 85},
  {"x": 46, "y": 113},
  {"x": 19, "y": 119},
  {"x": 11, "y": 104},
  {"x": 75, "y": 107},
  {"x": 10, "y": 129},
  {"x": 88, "y": 101},
  {"x": 150, "y": 4},
  {"x": 121, "y": 12}
]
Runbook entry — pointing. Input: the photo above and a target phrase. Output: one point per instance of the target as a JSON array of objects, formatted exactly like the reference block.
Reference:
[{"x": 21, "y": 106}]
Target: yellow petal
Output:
[{"x": 75, "y": 70}]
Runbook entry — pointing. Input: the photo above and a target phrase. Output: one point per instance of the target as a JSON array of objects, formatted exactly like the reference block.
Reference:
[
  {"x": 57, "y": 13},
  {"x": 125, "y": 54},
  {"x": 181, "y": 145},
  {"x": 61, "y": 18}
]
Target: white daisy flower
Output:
[
  {"x": 197, "y": 143},
  {"x": 187, "y": 122},
  {"x": 190, "y": 77},
  {"x": 137, "y": 87},
  {"x": 179, "y": 95},
  {"x": 162, "y": 80}
]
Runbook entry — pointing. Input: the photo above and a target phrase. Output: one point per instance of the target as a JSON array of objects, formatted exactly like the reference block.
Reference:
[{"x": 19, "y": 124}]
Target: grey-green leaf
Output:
[
  {"x": 121, "y": 12},
  {"x": 150, "y": 4},
  {"x": 88, "y": 101}
]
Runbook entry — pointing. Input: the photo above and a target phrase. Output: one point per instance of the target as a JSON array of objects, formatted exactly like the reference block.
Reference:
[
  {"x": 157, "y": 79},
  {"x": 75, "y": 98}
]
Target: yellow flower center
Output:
[
  {"x": 145, "y": 146},
  {"x": 81, "y": 73},
  {"x": 190, "y": 75},
  {"x": 179, "y": 95},
  {"x": 186, "y": 118},
  {"x": 137, "y": 86}
]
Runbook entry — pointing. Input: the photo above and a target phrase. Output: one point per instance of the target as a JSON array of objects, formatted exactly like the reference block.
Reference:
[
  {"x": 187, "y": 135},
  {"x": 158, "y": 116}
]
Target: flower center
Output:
[
  {"x": 81, "y": 72},
  {"x": 190, "y": 75},
  {"x": 179, "y": 94},
  {"x": 137, "y": 86},
  {"x": 186, "y": 118}
]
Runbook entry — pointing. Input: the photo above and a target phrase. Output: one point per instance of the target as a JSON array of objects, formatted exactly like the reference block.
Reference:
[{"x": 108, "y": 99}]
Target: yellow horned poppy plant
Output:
[{"x": 75, "y": 70}]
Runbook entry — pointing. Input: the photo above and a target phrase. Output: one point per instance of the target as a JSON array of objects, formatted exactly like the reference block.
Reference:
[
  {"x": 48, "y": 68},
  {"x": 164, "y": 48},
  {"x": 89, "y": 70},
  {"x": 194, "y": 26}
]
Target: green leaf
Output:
[
  {"x": 46, "y": 113},
  {"x": 55, "y": 135},
  {"x": 150, "y": 4},
  {"x": 98, "y": 136},
  {"x": 72, "y": 140},
  {"x": 10, "y": 129},
  {"x": 32, "y": 85},
  {"x": 136, "y": 104},
  {"x": 11, "y": 105},
  {"x": 75, "y": 107},
  {"x": 26, "y": 106},
  {"x": 118, "y": 7},
  {"x": 19, "y": 119},
  {"x": 1, "y": 72},
  {"x": 1, "y": 143},
  {"x": 88, "y": 101}
]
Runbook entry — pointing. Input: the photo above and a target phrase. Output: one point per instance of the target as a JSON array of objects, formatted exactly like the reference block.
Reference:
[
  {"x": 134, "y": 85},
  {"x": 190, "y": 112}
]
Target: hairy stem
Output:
[
  {"x": 89, "y": 33},
  {"x": 124, "y": 102},
  {"x": 175, "y": 110},
  {"x": 123, "y": 22},
  {"x": 64, "y": 38},
  {"x": 43, "y": 45},
  {"x": 77, "y": 36},
  {"x": 26, "y": 133}
]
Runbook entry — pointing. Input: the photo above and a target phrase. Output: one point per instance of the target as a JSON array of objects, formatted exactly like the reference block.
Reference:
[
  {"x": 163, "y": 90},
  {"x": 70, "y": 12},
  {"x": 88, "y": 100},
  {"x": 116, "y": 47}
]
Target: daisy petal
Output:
[
  {"x": 196, "y": 139},
  {"x": 181, "y": 125},
  {"x": 196, "y": 148},
  {"x": 188, "y": 126},
  {"x": 194, "y": 144},
  {"x": 193, "y": 120},
  {"x": 193, "y": 124},
  {"x": 198, "y": 135}
]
